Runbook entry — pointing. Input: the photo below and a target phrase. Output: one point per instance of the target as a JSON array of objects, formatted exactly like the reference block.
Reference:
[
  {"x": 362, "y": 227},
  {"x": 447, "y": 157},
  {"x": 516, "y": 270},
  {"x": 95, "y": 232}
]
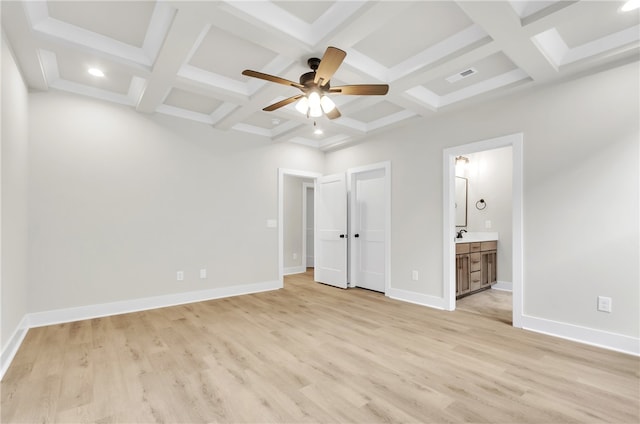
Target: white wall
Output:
[
  {"x": 581, "y": 186},
  {"x": 120, "y": 201},
  {"x": 13, "y": 230},
  {"x": 490, "y": 177},
  {"x": 293, "y": 223}
]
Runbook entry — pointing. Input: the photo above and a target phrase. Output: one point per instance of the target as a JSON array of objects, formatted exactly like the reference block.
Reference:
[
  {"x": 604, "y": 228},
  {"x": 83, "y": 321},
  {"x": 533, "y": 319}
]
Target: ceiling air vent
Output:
[{"x": 462, "y": 74}]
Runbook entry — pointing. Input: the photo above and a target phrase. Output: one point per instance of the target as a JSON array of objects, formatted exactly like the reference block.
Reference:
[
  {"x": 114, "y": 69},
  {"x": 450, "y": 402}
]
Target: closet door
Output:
[
  {"x": 368, "y": 229},
  {"x": 331, "y": 230}
]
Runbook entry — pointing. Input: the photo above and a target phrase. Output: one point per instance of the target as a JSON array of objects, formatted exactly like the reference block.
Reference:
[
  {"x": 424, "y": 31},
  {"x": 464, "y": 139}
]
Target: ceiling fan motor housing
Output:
[{"x": 306, "y": 79}]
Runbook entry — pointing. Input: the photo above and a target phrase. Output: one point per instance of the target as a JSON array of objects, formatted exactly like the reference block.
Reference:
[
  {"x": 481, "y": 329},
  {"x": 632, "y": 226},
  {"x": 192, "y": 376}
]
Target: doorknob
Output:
[
  {"x": 356, "y": 235},
  {"x": 341, "y": 235}
]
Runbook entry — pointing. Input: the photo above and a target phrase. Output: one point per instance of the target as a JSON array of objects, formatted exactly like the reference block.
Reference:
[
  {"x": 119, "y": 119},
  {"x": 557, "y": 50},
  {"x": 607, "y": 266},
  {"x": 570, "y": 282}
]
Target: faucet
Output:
[{"x": 460, "y": 233}]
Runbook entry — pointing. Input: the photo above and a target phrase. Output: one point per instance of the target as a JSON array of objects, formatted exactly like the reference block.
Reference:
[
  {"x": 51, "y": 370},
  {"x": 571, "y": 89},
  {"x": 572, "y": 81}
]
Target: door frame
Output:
[
  {"x": 448, "y": 213},
  {"x": 386, "y": 167},
  {"x": 281, "y": 174},
  {"x": 305, "y": 212}
]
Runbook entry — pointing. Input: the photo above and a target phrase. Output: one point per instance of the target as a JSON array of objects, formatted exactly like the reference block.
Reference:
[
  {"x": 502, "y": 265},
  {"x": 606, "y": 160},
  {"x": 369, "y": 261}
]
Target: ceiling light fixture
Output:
[
  {"x": 630, "y": 5},
  {"x": 314, "y": 105},
  {"x": 96, "y": 72}
]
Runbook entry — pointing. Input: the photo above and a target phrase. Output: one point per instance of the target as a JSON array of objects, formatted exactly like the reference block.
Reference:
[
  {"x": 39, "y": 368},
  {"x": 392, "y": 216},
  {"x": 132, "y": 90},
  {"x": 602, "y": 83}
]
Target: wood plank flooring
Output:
[{"x": 312, "y": 353}]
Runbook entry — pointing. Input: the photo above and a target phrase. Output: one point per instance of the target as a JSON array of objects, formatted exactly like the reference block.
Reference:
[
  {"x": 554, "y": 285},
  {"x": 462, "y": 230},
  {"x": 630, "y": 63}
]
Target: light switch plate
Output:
[
  {"x": 203, "y": 273},
  {"x": 604, "y": 304},
  {"x": 272, "y": 223}
]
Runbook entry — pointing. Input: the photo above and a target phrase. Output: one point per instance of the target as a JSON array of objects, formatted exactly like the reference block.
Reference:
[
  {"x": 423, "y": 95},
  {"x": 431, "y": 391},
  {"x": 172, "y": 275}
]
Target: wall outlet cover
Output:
[{"x": 604, "y": 304}]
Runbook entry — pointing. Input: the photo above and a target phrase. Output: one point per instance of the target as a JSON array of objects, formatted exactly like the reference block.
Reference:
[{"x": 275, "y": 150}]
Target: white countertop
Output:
[{"x": 473, "y": 237}]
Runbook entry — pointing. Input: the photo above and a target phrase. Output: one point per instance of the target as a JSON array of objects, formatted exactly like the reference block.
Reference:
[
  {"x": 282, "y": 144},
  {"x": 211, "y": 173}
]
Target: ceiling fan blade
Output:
[
  {"x": 361, "y": 89},
  {"x": 272, "y": 78},
  {"x": 329, "y": 64},
  {"x": 281, "y": 103},
  {"x": 335, "y": 113}
]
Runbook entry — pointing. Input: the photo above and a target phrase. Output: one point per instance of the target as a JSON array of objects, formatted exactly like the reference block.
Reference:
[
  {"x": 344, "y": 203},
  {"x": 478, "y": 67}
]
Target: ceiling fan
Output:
[{"x": 315, "y": 86}]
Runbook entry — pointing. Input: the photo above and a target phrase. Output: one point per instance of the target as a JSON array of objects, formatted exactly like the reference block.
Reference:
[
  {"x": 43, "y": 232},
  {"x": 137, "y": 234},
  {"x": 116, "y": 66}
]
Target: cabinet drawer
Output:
[
  {"x": 475, "y": 261},
  {"x": 475, "y": 280},
  {"x": 475, "y": 247},
  {"x": 462, "y": 248},
  {"x": 489, "y": 245}
]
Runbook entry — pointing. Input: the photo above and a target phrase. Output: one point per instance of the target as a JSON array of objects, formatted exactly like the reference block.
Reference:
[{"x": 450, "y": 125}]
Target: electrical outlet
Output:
[
  {"x": 180, "y": 275},
  {"x": 414, "y": 275},
  {"x": 295, "y": 256},
  {"x": 203, "y": 273},
  {"x": 604, "y": 304},
  {"x": 487, "y": 224}
]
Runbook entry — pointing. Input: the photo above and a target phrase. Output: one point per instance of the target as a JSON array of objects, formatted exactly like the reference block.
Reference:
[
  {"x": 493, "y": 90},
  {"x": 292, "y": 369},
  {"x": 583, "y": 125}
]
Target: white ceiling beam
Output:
[
  {"x": 183, "y": 33},
  {"x": 502, "y": 23}
]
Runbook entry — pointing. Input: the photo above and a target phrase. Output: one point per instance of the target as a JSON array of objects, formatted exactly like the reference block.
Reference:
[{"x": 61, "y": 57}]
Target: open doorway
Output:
[
  {"x": 480, "y": 222},
  {"x": 292, "y": 220}
]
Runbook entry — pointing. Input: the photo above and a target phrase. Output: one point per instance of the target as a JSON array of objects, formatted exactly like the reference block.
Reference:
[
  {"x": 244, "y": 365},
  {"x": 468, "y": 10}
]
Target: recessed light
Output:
[
  {"x": 318, "y": 131},
  {"x": 275, "y": 121},
  {"x": 630, "y": 5},
  {"x": 96, "y": 72}
]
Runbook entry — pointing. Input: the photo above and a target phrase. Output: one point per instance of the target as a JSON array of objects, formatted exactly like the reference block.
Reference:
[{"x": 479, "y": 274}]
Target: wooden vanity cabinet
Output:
[{"x": 476, "y": 267}]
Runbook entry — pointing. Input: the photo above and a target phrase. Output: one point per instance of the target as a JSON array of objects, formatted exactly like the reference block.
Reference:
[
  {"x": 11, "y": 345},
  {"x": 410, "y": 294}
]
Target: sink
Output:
[{"x": 472, "y": 237}]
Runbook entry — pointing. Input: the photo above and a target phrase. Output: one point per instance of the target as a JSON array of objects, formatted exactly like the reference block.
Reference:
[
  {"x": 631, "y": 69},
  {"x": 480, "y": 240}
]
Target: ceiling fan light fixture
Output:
[
  {"x": 327, "y": 104},
  {"x": 303, "y": 105},
  {"x": 315, "y": 109}
]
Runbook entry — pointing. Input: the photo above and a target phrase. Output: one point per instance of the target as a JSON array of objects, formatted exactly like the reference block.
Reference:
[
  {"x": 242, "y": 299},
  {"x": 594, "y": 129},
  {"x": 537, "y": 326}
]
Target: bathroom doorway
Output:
[{"x": 494, "y": 212}]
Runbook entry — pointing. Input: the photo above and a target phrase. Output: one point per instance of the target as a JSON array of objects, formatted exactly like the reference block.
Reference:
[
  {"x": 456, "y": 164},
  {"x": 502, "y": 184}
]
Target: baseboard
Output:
[
  {"x": 590, "y": 336},
  {"x": 417, "y": 298},
  {"x": 294, "y": 270},
  {"x": 58, "y": 316},
  {"x": 10, "y": 350},
  {"x": 503, "y": 285}
]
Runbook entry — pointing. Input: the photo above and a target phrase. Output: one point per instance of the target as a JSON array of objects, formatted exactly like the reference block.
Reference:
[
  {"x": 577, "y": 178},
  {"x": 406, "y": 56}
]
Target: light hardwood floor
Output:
[{"x": 312, "y": 353}]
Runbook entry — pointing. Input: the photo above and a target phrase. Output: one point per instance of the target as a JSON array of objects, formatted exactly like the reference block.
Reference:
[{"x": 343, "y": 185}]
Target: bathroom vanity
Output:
[{"x": 476, "y": 266}]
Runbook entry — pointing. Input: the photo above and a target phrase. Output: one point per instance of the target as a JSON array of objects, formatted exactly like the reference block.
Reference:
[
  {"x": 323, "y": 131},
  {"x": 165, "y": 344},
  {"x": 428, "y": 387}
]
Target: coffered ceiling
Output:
[{"x": 185, "y": 58}]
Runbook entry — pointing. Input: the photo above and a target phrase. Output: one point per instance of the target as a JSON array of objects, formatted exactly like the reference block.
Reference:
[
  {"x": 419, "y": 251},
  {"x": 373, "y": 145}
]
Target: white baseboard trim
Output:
[
  {"x": 576, "y": 333},
  {"x": 10, "y": 350},
  {"x": 59, "y": 316},
  {"x": 503, "y": 285},
  {"x": 294, "y": 270},
  {"x": 417, "y": 298}
]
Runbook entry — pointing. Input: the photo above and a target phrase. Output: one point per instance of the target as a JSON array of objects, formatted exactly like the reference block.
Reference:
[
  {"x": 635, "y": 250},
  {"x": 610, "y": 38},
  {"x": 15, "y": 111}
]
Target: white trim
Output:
[
  {"x": 417, "y": 298},
  {"x": 10, "y": 350},
  {"x": 448, "y": 189},
  {"x": 503, "y": 286},
  {"x": 58, "y": 316},
  {"x": 386, "y": 167},
  {"x": 305, "y": 188},
  {"x": 590, "y": 336},
  {"x": 281, "y": 173},
  {"x": 294, "y": 270}
]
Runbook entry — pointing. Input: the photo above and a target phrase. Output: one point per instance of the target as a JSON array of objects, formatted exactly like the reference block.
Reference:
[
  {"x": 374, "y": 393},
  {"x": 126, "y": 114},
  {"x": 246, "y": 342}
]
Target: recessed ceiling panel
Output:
[
  {"x": 599, "y": 19},
  {"x": 525, "y": 8},
  {"x": 308, "y": 11},
  {"x": 264, "y": 120},
  {"x": 191, "y": 101},
  {"x": 415, "y": 29},
  {"x": 225, "y": 54},
  {"x": 74, "y": 66},
  {"x": 486, "y": 68},
  {"x": 375, "y": 112},
  {"x": 132, "y": 17}
]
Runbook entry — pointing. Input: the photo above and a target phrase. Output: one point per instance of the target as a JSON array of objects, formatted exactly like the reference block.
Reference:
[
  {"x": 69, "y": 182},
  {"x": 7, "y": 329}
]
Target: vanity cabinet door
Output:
[
  {"x": 462, "y": 274},
  {"x": 489, "y": 268}
]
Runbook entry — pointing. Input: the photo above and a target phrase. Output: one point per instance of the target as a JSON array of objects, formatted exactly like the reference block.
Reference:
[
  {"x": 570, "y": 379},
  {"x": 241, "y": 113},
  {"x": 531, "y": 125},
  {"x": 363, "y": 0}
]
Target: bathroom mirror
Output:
[{"x": 461, "y": 202}]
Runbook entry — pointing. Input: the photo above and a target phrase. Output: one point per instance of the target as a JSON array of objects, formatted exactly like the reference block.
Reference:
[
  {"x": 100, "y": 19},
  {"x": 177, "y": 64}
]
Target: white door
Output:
[
  {"x": 368, "y": 229},
  {"x": 331, "y": 230}
]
